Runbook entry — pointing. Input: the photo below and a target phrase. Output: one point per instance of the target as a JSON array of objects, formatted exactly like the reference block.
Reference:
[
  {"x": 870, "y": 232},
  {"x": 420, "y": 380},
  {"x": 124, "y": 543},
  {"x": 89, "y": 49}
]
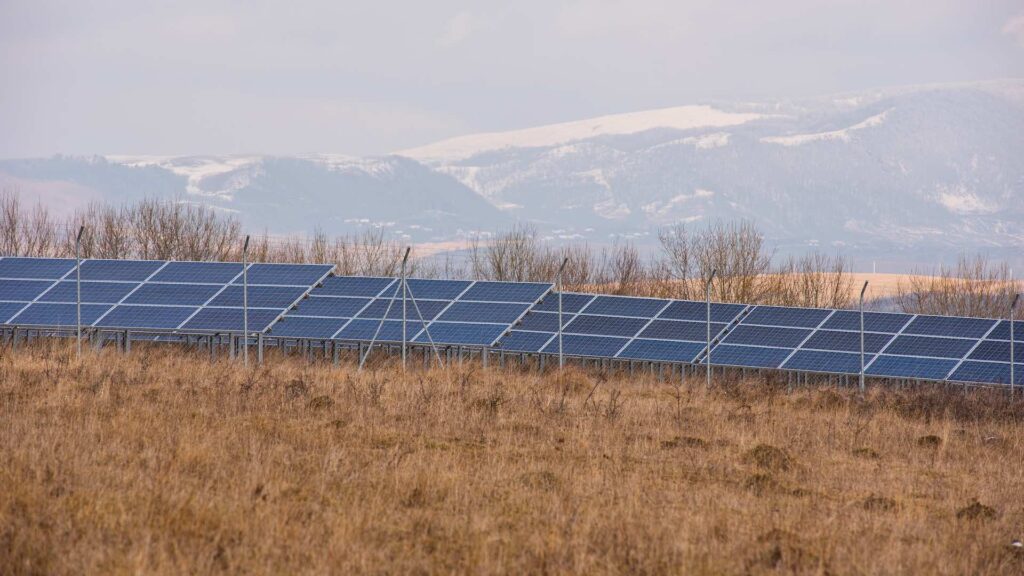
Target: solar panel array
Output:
[
  {"x": 303, "y": 301},
  {"x": 451, "y": 312},
  {"x": 621, "y": 327},
  {"x": 150, "y": 294}
]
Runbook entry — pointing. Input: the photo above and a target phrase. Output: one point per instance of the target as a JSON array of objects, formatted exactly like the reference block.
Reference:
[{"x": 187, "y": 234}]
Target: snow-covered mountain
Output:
[{"x": 914, "y": 173}]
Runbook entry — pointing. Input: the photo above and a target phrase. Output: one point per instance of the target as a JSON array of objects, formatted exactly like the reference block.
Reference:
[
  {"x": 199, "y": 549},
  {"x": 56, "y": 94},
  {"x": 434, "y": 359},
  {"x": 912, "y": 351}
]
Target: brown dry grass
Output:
[{"x": 160, "y": 462}]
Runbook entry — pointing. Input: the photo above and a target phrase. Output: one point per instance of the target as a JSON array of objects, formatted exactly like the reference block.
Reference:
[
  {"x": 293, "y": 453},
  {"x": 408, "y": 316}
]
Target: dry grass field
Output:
[{"x": 163, "y": 462}]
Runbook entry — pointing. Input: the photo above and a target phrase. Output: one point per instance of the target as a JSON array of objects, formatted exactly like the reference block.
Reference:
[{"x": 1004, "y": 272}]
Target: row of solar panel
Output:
[
  {"x": 454, "y": 312},
  {"x": 147, "y": 294}
]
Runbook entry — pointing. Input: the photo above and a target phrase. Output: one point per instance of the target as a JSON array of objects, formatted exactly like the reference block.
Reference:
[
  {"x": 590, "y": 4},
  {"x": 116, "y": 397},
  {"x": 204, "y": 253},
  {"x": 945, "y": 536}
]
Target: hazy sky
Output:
[{"x": 370, "y": 77}]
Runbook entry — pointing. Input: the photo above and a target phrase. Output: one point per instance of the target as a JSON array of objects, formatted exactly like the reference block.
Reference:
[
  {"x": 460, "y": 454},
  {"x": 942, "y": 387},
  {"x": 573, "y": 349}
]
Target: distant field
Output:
[{"x": 160, "y": 462}]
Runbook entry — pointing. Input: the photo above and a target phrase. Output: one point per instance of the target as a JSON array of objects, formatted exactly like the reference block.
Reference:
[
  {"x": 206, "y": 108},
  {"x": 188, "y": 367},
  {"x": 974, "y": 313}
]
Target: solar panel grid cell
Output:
[
  {"x": 1002, "y": 330},
  {"x": 522, "y": 341},
  {"x": 173, "y": 294},
  {"x": 9, "y": 309},
  {"x": 198, "y": 272},
  {"x": 571, "y": 303},
  {"x": 909, "y": 367},
  {"x": 35, "y": 268},
  {"x": 661, "y": 351},
  {"x": 776, "y": 336},
  {"x": 873, "y": 321},
  {"x": 285, "y": 274},
  {"x": 846, "y": 341},
  {"x": 527, "y": 293},
  {"x": 988, "y": 372},
  {"x": 229, "y": 320},
  {"x": 330, "y": 306},
  {"x": 258, "y": 296},
  {"x": 824, "y": 361},
  {"x": 934, "y": 347},
  {"x": 792, "y": 317},
  {"x": 997, "y": 351},
  {"x": 23, "y": 290},
  {"x": 421, "y": 289},
  {"x": 680, "y": 330},
  {"x": 542, "y": 321},
  {"x": 948, "y": 326},
  {"x": 119, "y": 270},
  {"x": 494, "y": 312},
  {"x": 53, "y": 314},
  {"x": 156, "y": 317},
  {"x": 305, "y": 327},
  {"x": 625, "y": 306},
  {"x": 459, "y": 333},
  {"x": 697, "y": 311},
  {"x": 358, "y": 286},
  {"x": 429, "y": 309},
  {"x": 589, "y": 346},
  {"x": 747, "y": 356},
  {"x": 605, "y": 325}
]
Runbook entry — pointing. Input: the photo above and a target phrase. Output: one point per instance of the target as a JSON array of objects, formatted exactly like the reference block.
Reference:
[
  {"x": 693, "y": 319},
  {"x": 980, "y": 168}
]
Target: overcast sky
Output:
[{"x": 371, "y": 77}]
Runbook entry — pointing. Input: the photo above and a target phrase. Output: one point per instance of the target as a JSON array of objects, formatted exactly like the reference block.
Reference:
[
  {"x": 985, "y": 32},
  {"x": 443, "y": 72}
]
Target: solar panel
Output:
[
  {"x": 909, "y": 367},
  {"x": 391, "y": 331},
  {"x": 303, "y": 327},
  {"x": 422, "y": 289},
  {"x": 680, "y": 330},
  {"x": 1002, "y": 331},
  {"x": 828, "y": 362},
  {"x": 92, "y": 292},
  {"x": 949, "y": 326},
  {"x": 199, "y": 272},
  {"x": 589, "y": 346},
  {"x": 988, "y": 373},
  {"x": 155, "y": 317},
  {"x": 526, "y": 293},
  {"x": 873, "y": 321},
  {"x": 521, "y": 341},
  {"x": 331, "y": 306},
  {"x": 119, "y": 270},
  {"x": 35, "y": 268},
  {"x": 285, "y": 274},
  {"x": 846, "y": 341},
  {"x": 50, "y": 314},
  {"x": 429, "y": 309},
  {"x": 779, "y": 316},
  {"x": 997, "y": 351},
  {"x": 494, "y": 312},
  {"x": 767, "y": 336},
  {"x": 747, "y": 356},
  {"x": 543, "y": 321},
  {"x": 626, "y": 306},
  {"x": 23, "y": 290},
  {"x": 605, "y": 326},
  {"x": 661, "y": 351},
  {"x": 361, "y": 286},
  {"x": 571, "y": 302},
  {"x": 259, "y": 296},
  {"x": 172, "y": 294},
  {"x": 930, "y": 346},
  {"x": 697, "y": 311},
  {"x": 9, "y": 309},
  {"x": 461, "y": 333},
  {"x": 230, "y": 320}
]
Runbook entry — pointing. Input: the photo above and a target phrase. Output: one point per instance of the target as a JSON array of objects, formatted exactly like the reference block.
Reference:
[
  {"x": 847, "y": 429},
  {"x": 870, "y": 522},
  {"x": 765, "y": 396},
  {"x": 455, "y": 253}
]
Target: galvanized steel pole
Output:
[
  {"x": 404, "y": 291},
  {"x": 1013, "y": 381},
  {"x": 707, "y": 358},
  {"x": 245, "y": 301},
  {"x": 860, "y": 307},
  {"x": 78, "y": 291},
  {"x": 561, "y": 358}
]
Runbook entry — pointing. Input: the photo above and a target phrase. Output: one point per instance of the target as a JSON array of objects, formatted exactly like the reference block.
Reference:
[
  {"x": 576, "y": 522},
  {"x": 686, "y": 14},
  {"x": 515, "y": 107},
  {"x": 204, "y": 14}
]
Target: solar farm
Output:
[{"x": 306, "y": 306}]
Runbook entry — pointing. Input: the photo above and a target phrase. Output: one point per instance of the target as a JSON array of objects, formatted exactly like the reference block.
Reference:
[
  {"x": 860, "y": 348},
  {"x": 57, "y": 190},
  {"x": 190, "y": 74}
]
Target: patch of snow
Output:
[
  {"x": 198, "y": 168},
  {"x": 963, "y": 202},
  {"x": 680, "y": 118},
  {"x": 843, "y": 134},
  {"x": 660, "y": 209}
]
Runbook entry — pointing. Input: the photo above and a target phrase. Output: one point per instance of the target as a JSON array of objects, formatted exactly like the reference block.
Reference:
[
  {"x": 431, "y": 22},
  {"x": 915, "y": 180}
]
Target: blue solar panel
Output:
[
  {"x": 680, "y": 330},
  {"x": 506, "y": 292},
  {"x": 303, "y": 327},
  {"x": 873, "y": 321},
  {"x": 174, "y": 294},
  {"x": 391, "y": 331},
  {"x": 929, "y": 346},
  {"x": 846, "y": 341},
  {"x": 333, "y": 306},
  {"x": 590, "y": 346},
  {"x": 230, "y": 319},
  {"x": 428, "y": 308},
  {"x": 624, "y": 306},
  {"x": 988, "y": 373},
  {"x": 1002, "y": 331},
  {"x": 198, "y": 272},
  {"x": 904, "y": 367},
  {"x": 749, "y": 356},
  {"x": 697, "y": 311},
  {"x": 286, "y": 274},
  {"x": 361, "y": 286},
  {"x": 41, "y": 268},
  {"x": 766, "y": 336},
  {"x": 435, "y": 289},
  {"x": 8, "y": 309},
  {"x": 778, "y": 316},
  {"x": 571, "y": 302},
  {"x": 542, "y": 321},
  {"x": 997, "y": 351},
  {"x": 947, "y": 326},
  {"x": 48, "y": 314},
  {"x": 518, "y": 341},
  {"x": 831, "y": 362},
  {"x": 156, "y": 317},
  {"x": 605, "y": 325},
  {"x": 92, "y": 292},
  {"x": 260, "y": 296},
  {"x": 119, "y": 270},
  {"x": 23, "y": 290},
  {"x": 661, "y": 351},
  {"x": 462, "y": 333},
  {"x": 496, "y": 312}
]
